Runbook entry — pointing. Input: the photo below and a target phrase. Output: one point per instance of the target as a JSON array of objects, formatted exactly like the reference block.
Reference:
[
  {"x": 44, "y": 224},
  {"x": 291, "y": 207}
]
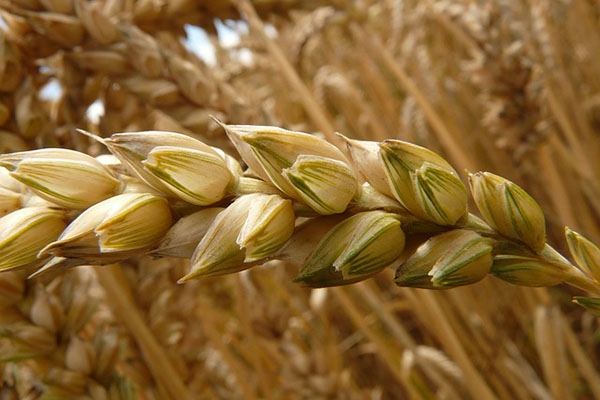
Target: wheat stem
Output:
[
  {"x": 217, "y": 340},
  {"x": 372, "y": 43},
  {"x": 559, "y": 197},
  {"x": 552, "y": 350},
  {"x": 585, "y": 365},
  {"x": 368, "y": 291},
  {"x": 119, "y": 295},
  {"x": 391, "y": 358},
  {"x": 252, "y": 346},
  {"x": 477, "y": 385}
]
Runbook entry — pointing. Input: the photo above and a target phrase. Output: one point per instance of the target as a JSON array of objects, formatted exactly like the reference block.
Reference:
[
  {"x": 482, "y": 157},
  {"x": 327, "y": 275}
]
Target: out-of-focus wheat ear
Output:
[
  {"x": 29, "y": 115},
  {"x": 108, "y": 62},
  {"x": 11, "y": 66},
  {"x": 195, "y": 82},
  {"x": 12, "y": 288},
  {"x": 96, "y": 22},
  {"x": 65, "y": 30}
]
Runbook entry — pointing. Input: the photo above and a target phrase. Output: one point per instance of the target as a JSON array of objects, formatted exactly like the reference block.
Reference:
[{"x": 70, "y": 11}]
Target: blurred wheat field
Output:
[{"x": 511, "y": 87}]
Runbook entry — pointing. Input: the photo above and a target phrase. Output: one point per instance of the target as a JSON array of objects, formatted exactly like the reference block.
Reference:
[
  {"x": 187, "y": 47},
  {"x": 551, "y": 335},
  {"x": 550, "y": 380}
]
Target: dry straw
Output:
[{"x": 177, "y": 197}]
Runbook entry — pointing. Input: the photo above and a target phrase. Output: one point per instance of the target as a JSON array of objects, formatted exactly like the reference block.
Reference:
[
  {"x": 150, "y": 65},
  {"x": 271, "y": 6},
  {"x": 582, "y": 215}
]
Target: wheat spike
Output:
[{"x": 430, "y": 199}]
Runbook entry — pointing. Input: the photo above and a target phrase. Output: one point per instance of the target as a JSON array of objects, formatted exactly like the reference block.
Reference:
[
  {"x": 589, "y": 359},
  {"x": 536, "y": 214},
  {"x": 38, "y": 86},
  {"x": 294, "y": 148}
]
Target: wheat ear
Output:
[
  {"x": 341, "y": 214},
  {"x": 47, "y": 327}
]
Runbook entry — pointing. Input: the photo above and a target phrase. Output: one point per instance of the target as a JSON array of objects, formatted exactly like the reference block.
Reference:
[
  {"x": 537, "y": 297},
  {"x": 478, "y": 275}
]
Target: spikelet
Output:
[
  {"x": 66, "y": 30},
  {"x": 64, "y": 177},
  {"x": 96, "y": 22}
]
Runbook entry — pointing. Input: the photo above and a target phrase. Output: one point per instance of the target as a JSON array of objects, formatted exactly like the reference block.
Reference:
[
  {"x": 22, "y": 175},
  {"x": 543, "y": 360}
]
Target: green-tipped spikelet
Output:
[
  {"x": 354, "y": 249},
  {"x": 585, "y": 253},
  {"x": 24, "y": 232},
  {"x": 324, "y": 184},
  {"x": 589, "y": 303},
  {"x": 64, "y": 177},
  {"x": 176, "y": 164},
  {"x": 113, "y": 228},
  {"x": 198, "y": 177},
  {"x": 509, "y": 209},
  {"x": 422, "y": 181},
  {"x": 410, "y": 171},
  {"x": 252, "y": 228},
  {"x": 302, "y": 166},
  {"x": 521, "y": 266},
  {"x": 450, "y": 259}
]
